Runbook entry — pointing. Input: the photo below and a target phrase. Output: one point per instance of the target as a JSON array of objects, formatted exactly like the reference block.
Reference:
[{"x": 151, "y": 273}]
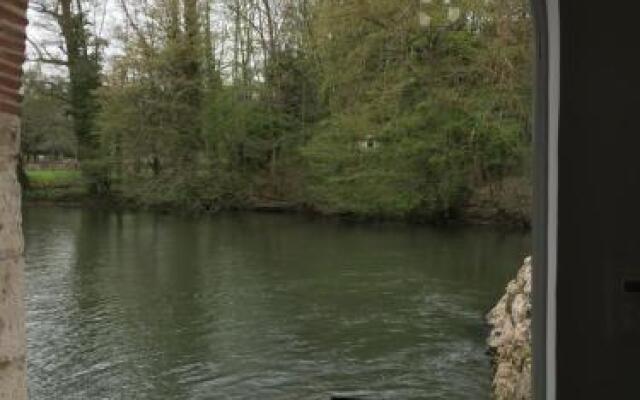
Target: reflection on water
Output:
[{"x": 247, "y": 306}]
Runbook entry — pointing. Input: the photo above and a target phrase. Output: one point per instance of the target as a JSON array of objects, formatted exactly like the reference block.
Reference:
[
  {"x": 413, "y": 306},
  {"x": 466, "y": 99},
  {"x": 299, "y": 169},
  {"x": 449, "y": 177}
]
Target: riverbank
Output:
[{"x": 507, "y": 205}]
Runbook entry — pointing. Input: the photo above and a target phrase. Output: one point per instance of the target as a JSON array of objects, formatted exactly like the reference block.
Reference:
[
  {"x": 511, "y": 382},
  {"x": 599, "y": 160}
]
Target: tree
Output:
[
  {"x": 12, "y": 312},
  {"x": 440, "y": 96},
  {"x": 82, "y": 51},
  {"x": 46, "y": 125},
  {"x": 280, "y": 99},
  {"x": 150, "y": 125}
]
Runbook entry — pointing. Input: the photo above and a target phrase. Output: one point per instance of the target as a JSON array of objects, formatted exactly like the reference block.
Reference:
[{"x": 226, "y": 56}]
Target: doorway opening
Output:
[{"x": 375, "y": 111}]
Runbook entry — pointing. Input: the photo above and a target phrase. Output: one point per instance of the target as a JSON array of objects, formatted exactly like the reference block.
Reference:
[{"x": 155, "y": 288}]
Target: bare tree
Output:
[{"x": 12, "y": 313}]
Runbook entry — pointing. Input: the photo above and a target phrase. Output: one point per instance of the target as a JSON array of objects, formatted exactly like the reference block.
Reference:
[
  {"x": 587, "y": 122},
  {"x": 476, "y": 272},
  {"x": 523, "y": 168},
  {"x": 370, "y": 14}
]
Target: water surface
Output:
[{"x": 250, "y": 306}]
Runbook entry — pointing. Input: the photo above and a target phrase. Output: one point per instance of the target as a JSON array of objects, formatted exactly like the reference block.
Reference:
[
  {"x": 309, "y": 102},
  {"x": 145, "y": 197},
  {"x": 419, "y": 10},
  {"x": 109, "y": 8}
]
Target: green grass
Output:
[
  {"x": 54, "y": 178},
  {"x": 58, "y": 185}
]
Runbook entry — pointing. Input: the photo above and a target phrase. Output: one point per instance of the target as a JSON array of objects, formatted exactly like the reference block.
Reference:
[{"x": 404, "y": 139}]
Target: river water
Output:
[{"x": 255, "y": 306}]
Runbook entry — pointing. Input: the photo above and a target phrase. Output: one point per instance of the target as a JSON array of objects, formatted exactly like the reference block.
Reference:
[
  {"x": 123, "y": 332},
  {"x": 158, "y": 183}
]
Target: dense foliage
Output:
[
  {"x": 367, "y": 107},
  {"x": 46, "y": 126}
]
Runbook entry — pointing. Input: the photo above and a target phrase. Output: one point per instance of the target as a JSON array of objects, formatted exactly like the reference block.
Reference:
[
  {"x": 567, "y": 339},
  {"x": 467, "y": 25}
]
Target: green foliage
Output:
[
  {"x": 46, "y": 126},
  {"x": 349, "y": 106},
  {"x": 447, "y": 105},
  {"x": 84, "y": 66}
]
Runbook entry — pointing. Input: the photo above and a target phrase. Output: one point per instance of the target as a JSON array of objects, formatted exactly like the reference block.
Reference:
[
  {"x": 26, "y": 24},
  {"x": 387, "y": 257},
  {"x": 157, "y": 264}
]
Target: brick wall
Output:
[{"x": 13, "y": 23}]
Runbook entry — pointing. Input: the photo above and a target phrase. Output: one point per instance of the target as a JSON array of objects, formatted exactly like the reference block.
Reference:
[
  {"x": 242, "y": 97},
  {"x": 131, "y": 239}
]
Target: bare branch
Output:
[
  {"x": 44, "y": 56},
  {"x": 135, "y": 27}
]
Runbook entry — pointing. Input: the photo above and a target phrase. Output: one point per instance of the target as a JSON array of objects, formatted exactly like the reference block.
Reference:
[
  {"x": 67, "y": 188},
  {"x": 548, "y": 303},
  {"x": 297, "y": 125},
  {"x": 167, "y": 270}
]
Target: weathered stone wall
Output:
[
  {"x": 12, "y": 326},
  {"x": 510, "y": 339}
]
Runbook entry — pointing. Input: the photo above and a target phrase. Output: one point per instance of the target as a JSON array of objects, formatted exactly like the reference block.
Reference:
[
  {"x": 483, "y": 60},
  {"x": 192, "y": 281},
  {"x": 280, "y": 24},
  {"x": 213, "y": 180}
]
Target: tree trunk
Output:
[
  {"x": 84, "y": 78},
  {"x": 12, "y": 314}
]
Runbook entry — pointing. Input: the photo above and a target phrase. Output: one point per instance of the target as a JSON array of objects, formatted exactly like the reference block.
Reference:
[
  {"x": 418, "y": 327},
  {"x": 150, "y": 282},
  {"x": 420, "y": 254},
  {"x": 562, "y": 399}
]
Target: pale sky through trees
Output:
[
  {"x": 43, "y": 32},
  {"x": 107, "y": 21}
]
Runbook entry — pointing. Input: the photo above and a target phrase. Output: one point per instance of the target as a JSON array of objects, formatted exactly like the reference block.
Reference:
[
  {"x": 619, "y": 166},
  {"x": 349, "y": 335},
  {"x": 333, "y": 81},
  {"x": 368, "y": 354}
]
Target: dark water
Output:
[{"x": 246, "y": 306}]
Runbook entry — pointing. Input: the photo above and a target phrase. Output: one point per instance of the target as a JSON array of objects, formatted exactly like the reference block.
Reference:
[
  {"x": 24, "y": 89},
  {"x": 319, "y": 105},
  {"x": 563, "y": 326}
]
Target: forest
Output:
[{"x": 404, "y": 109}]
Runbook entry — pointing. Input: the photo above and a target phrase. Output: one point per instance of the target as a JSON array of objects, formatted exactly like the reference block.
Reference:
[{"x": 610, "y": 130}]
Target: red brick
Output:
[
  {"x": 19, "y": 4},
  {"x": 12, "y": 14},
  {"x": 12, "y": 57},
  {"x": 16, "y": 46},
  {"x": 10, "y": 69},
  {"x": 10, "y": 82},
  {"x": 12, "y": 53},
  {"x": 9, "y": 108},
  {"x": 12, "y": 31},
  {"x": 10, "y": 95}
]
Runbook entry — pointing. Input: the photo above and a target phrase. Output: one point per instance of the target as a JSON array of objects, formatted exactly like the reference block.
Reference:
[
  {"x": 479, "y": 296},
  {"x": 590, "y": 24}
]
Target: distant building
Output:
[
  {"x": 428, "y": 11},
  {"x": 368, "y": 143}
]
